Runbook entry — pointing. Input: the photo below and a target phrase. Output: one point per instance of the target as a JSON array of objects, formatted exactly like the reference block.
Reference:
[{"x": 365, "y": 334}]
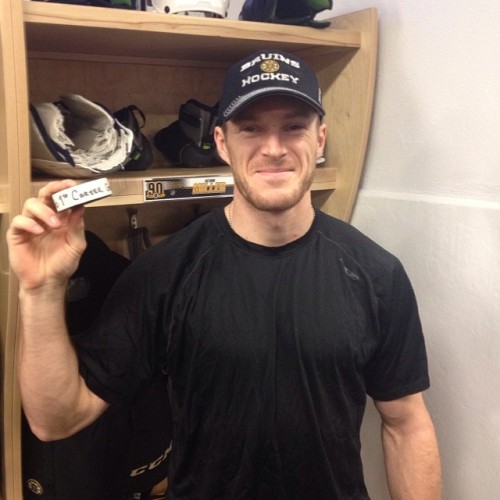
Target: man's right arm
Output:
[{"x": 44, "y": 251}]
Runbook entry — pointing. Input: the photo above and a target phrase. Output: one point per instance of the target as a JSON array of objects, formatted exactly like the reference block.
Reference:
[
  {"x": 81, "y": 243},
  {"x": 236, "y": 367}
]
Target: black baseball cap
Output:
[{"x": 264, "y": 73}]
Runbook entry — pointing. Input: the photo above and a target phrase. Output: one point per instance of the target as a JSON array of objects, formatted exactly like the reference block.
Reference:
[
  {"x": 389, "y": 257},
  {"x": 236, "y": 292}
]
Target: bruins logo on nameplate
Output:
[{"x": 163, "y": 189}]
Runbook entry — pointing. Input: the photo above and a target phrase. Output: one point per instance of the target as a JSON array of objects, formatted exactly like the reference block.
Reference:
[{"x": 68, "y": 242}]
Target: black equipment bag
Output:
[
  {"x": 295, "y": 12},
  {"x": 189, "y": 141},
  {"x": 123, "y": 454}
]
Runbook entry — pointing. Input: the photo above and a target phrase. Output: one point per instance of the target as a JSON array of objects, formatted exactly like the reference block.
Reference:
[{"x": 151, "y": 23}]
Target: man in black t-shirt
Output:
[{"x": 273, "y": 321}]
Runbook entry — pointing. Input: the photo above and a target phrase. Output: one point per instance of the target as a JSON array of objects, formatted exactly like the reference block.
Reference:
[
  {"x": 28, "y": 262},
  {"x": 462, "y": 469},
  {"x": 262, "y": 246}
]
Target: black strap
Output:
[{"x": 138, "y": 237}]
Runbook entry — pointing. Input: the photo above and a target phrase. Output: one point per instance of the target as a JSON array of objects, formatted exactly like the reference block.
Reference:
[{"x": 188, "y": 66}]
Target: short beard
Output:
[{"x": 277, "y": 202}]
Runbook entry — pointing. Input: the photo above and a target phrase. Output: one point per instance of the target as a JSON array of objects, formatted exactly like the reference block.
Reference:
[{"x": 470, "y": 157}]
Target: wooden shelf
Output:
[
  {"x": 128, "y": 188},
  {"x": 69, "y": 29}
]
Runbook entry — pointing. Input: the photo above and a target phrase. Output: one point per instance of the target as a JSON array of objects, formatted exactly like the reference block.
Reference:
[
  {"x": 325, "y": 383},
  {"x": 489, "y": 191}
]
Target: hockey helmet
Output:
[{"x": 208, "y": 8}]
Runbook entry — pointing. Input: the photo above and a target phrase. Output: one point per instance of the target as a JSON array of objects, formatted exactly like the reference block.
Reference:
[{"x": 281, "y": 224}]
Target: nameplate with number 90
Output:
[{"x": 162, "y": 189}]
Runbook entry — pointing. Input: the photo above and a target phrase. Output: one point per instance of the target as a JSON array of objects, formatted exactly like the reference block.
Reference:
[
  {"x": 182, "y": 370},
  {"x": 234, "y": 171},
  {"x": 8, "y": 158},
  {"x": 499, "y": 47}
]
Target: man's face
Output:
[{"x": 272, "y": 146}]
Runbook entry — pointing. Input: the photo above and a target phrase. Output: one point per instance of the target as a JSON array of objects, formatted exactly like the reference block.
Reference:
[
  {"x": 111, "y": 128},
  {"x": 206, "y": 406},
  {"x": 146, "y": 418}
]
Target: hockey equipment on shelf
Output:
[
  {"x": 206, "y": 8},
  {"x": 141, "y": 156},
  {"x": 299, "y": 12},
  {"x": 119, "y": 4},
  {"x": 75, "y": 137},
  {"x": 189, "y": 141}
]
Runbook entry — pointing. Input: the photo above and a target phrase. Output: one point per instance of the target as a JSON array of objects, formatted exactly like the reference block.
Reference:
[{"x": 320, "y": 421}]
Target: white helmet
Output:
[{"x": 208, "y": 8}]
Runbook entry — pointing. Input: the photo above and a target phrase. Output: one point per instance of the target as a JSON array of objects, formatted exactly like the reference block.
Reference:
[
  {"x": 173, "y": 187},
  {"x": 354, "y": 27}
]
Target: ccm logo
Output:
[{"x": 143, "y": 468}]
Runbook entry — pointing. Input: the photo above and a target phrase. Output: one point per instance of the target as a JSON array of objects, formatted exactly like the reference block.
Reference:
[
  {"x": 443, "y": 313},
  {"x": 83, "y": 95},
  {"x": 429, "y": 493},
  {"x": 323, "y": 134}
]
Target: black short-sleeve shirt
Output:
[{"x": 270, "y": 351}]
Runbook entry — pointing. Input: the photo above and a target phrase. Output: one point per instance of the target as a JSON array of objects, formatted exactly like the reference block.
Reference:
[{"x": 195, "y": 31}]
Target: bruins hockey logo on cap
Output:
[
  {"x": 265, "y": 73},
  {"x": 270, "y": 66}
]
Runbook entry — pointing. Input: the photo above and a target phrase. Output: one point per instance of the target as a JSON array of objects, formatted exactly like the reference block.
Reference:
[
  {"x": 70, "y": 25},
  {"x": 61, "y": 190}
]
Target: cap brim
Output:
[{"x": 245, "y": 101}]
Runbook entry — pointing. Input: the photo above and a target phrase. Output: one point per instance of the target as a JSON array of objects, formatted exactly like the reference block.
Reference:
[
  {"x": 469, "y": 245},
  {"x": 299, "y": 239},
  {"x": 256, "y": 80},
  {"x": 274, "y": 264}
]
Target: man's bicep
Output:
[{"x": 404, "y": 413}]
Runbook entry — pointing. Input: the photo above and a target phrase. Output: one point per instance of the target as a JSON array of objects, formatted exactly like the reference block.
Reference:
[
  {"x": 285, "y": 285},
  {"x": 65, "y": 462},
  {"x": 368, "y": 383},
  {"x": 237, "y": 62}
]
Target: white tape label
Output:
[{"x": 82, "y": 194}]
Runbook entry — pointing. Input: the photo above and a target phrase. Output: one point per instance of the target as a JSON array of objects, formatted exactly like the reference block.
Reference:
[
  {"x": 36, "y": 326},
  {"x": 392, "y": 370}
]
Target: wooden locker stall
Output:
[{"x": 157, "y": 62}]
